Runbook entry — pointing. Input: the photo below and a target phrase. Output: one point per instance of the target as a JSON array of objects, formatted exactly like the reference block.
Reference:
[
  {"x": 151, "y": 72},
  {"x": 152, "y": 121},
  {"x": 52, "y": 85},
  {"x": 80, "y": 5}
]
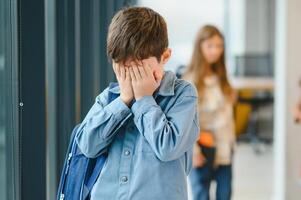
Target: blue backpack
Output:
[{"x": 80, "y": 173}]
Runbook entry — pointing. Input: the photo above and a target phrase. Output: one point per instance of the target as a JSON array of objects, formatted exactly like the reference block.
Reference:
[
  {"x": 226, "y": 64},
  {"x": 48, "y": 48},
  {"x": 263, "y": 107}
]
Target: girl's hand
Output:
[
  {"x": 125, "y": 83},
  {"x": 198, "y": 159},
  {"x": 143, "y": 80}
]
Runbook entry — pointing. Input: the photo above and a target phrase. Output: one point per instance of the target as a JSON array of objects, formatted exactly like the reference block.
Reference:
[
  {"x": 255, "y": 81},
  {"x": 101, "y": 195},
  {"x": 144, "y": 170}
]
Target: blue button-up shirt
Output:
[{"x": 149, "y": 145}]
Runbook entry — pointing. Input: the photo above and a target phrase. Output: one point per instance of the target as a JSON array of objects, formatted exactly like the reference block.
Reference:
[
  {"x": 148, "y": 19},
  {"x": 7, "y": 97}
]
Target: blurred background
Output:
[{"x": 53, "y": 64}]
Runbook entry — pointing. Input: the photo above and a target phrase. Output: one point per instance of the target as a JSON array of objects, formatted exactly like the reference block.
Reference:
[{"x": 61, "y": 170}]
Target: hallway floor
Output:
[{"x": 253, "y": 173}]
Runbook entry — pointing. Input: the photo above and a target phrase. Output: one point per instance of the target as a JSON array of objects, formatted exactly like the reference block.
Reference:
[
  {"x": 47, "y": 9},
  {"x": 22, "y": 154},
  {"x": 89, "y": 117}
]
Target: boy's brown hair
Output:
[{"x": 136, "y": 33}]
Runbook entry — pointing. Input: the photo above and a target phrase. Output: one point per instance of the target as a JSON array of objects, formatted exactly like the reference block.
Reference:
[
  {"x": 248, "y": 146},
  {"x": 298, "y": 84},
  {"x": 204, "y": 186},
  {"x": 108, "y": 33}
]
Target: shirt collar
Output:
[{"x": 166, "y": 88}]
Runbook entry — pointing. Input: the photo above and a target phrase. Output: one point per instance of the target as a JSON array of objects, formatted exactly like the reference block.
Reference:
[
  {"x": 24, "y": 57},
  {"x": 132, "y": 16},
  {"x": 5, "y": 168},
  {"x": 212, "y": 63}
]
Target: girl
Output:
[{"x": 212, "y": 156}]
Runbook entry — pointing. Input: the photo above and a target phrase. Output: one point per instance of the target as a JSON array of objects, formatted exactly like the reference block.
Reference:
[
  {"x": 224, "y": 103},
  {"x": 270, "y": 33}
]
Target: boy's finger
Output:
[
  {"x": 142, "y": 71},
  {"x": 127, "y": 74},
  {"x": 136, "y": 72},
  {"x": 151, "y": 72},
  {"x": 148, "y": 69},
  {"x": 156, "y": 77},
  {"x": 122, "y": 72},
  {"x": 144, "y": 64},
  {"x": 132, "y": 74},
  {"x": 117, "y": 69}
]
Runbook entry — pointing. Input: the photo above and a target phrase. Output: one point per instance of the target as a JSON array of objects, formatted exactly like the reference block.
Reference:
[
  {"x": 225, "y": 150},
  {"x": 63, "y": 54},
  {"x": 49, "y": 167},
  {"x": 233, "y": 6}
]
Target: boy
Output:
[{"x": 149, "y": 130}]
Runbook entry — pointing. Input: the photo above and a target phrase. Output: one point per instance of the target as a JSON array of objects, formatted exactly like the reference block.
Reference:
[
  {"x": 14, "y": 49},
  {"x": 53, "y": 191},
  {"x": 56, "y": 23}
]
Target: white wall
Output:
[
  {"x": 237, "y": 26},
  {"x": 288, "y": 71},
  {"x": 184, "y": 19}
]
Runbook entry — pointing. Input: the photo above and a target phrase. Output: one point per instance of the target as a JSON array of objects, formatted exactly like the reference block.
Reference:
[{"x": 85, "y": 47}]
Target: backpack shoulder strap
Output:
[{"x": 100, "y": 160}]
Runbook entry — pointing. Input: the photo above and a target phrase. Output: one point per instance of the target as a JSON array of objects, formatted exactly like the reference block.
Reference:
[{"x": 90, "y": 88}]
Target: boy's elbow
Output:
[
  {"x": 89, "y": 148},
  {"x": 86, "y": 150},
  {"x": 168, "y": 155},
  {"x": 164, "y": 157},
  {"x": 91, "y": 152},
  {"x": 168, "y": 152}
]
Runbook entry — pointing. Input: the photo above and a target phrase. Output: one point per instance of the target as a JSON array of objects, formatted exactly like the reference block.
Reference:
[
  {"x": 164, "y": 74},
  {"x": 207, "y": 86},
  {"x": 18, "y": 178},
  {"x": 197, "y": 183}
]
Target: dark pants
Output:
[{"x": 200, "y": 179}]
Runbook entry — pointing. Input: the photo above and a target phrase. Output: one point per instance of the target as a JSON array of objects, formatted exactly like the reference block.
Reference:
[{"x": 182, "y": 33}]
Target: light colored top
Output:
[
  {"x": 149, "y": 145},
  {"x": 216, "y": 115}
]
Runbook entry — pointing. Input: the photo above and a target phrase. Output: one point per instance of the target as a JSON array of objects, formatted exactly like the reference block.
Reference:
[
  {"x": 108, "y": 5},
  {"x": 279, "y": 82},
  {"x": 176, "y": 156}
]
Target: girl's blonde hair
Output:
[{"x": 196, "y": 68}]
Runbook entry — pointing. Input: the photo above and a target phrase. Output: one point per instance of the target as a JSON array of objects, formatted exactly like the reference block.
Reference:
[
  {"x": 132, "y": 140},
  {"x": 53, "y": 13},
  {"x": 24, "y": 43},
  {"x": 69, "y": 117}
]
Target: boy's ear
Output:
[{"x": 165, "y": 56}]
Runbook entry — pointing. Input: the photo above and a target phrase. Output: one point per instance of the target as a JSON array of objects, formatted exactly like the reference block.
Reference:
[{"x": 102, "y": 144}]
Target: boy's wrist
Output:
[
  {"x": 118, "y": 108},
  {"x": 126, "y": 100}
]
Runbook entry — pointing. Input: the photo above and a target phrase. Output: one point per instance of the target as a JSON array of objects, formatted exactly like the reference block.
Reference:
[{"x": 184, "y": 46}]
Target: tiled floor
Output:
[{"x": 253, "y": 173}]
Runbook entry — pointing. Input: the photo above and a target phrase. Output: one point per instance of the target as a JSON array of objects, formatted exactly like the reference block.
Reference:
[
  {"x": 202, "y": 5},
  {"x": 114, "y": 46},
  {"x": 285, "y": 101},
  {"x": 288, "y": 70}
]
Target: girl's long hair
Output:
[{"x": 197, "y": 66}]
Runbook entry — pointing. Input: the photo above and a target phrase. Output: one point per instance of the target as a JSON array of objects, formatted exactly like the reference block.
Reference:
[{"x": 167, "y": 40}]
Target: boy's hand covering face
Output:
[
  {"x": 125, "y": 83},
  {"x": 138, "y": 79},
  {"x": 144, "y": 79}
]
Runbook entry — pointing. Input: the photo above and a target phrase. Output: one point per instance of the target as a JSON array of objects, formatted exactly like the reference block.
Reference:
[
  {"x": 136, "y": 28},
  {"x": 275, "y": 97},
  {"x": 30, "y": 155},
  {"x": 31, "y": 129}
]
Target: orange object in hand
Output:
[{"x": 206, "y": 139}]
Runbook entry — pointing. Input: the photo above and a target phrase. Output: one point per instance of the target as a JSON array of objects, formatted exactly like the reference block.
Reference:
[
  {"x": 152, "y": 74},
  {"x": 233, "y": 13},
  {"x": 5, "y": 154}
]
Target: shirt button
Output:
[
  {"x": 124, "y": 179},
  {"x": 127, "y": 152}
]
